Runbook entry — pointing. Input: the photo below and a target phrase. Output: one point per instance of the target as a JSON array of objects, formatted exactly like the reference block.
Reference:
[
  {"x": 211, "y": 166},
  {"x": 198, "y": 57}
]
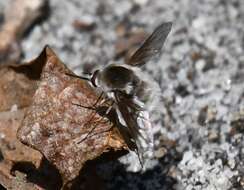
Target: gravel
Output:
[{"x": 200, "y": 73}]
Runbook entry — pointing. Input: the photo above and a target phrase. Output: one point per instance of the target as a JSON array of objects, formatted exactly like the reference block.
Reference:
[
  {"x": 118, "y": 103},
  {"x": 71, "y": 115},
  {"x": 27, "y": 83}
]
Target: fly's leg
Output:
[
  {"x": 107, "y": 130},
  {"x": 98, "y": 100},
  {"x": 94, "y": 127},
  {"x": 94, "y": 108},
  {"x": 92, "y": 117},
  {"x": 109, "y": 108}
]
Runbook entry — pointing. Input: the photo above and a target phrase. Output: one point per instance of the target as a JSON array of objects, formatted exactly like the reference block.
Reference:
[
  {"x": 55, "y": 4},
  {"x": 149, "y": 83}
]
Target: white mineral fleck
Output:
[{"x": 14, "y": 108}]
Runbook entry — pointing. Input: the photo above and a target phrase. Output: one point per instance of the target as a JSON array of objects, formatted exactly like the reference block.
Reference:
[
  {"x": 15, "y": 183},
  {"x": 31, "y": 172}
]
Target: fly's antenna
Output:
[
  {"x": 92, "y": 77},
  {"x": 79, "y": 77}
]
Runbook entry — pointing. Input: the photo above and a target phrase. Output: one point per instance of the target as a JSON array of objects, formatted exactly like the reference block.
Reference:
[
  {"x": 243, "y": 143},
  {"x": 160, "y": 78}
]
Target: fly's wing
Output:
[
  {"x": 137, "y": 121},
  {"x": 113, "y": 115},
  {"x": 152, "y": 45}
]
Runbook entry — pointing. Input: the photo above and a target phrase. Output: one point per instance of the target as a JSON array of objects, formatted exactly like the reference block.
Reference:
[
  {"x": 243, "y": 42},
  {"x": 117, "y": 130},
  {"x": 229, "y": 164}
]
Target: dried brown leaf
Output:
[
  {"x": 13, "y": 151},
  {"x": 19, "y": 82},
  {"x": 17, "y": 86},
  {"x": 11, "y": 148},
  {"x": 55, "y": 126}
]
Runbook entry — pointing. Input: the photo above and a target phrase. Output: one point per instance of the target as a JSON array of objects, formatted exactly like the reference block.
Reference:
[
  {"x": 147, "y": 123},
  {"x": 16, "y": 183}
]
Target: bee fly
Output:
[{"x": 132, "y": 92}]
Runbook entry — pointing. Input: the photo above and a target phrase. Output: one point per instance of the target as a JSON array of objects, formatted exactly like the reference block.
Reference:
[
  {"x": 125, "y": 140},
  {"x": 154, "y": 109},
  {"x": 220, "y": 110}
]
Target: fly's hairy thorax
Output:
[
  {"x": 117, "y": 77},
  {"x": 131, "y": 81}
]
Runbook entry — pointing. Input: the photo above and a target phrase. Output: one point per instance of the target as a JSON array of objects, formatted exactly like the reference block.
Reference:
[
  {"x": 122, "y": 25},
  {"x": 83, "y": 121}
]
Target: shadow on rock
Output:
[
  {"x": 115, "y": 176},
  {"x": 46, "y": 176}
]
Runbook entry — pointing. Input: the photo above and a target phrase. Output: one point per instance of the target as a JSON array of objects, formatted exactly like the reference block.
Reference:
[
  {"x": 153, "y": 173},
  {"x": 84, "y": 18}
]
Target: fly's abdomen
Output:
[{"x": 143, "y": 92}]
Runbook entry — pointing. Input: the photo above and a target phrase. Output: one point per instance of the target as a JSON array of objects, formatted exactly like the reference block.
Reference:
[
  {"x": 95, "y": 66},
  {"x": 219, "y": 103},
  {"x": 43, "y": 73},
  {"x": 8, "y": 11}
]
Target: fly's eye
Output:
[{"x": 94, "y": 77}]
